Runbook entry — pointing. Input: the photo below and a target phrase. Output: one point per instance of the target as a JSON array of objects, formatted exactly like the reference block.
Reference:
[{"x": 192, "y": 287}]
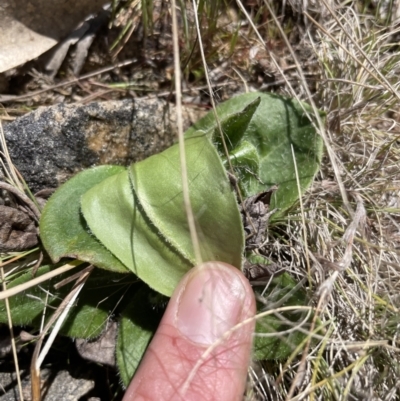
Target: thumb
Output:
[{"x": 200, "y": 351}]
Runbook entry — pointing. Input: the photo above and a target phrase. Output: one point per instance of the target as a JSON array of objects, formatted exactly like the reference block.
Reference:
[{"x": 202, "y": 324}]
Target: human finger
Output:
[{"x": 202, "y": 347}]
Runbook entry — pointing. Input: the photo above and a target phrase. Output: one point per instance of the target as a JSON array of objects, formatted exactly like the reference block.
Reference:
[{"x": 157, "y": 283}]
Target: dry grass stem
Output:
[
  {"x": 182, "y": 151},
  {"x": 13, "y": 346}
]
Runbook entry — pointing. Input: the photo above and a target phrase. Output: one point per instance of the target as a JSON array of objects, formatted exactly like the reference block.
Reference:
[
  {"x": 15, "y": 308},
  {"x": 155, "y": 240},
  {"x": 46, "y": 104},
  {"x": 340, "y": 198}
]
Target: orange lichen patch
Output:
[{"x": 109, "y": 142}]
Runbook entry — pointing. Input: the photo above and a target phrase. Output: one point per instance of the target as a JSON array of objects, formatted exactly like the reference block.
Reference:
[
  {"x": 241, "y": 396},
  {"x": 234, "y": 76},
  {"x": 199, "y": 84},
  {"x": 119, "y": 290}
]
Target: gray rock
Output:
[
  {"x": 62, "y": 387},
  {"x": 51, "y": 144}
]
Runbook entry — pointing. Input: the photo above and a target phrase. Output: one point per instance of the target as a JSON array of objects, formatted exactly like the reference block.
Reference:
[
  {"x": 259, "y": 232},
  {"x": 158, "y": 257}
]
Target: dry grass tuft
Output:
[{"x": 354, "y": 253}]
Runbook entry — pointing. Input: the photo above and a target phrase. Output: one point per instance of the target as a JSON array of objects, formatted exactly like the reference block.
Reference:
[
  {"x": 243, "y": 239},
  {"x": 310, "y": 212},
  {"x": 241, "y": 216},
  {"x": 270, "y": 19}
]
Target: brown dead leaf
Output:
[
  {"x": 101, "y": 350},
  {"x": 17, "y": 230}
]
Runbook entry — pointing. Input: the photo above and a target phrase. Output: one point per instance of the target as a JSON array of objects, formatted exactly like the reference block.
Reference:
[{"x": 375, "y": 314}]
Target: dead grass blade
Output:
[
  {"x": 182, "y": 152},
  {"x": 35, "y": 281},
  {"x": 13, "y": 347},
  {"x": 57, "y": 319}
]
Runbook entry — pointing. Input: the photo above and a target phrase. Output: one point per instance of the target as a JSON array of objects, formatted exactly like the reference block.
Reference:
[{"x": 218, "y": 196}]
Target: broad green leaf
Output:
[
  {"x": 235, "y": 126},
  {"x": 116, "y": 219},
  {"x": 276, "y": 336},
  {"x": 86, "y": 319},
  {"x": 246, "y": 163},
  {"x": 138, "y": 324},
  {"x": 64, "y": 232},
  {"x": 158, "y": 185},
  {"x": 277, "y": 126},
  {"x": 140, "y": 217}
]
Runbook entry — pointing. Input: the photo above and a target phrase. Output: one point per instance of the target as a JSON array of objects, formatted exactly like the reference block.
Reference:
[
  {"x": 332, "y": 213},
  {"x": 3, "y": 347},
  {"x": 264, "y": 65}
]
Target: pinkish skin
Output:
[{"x": 192, "y": 356}]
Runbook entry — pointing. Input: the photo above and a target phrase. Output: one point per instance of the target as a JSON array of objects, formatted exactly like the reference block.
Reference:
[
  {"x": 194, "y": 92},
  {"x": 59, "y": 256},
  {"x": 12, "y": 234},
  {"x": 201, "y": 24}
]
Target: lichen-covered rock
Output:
[{"x": 52, "y": 143}]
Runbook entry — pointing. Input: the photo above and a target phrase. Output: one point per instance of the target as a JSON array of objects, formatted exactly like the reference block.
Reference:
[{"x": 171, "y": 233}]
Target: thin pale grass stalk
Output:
[
  {"x": 359, "y": 219},
  {"x": 321, "y": 125},
  {"x": 13, "y": 347},
  {"x": 353, "y": 375},
  {"x": 318, "y": 360},
  {"x": 299, "y": 69},
  {"x": 362, "y": 345},
  {"x": 302, "y": 217},
  {"x": 246, "y": 87},
  {"x": 311, "y": 334},
  {"x": 296, "y": 327},
  {"x": 181, "y": 139},
  {"x": 211, "y": 94},
  {"x": 47, "y": 276},
  {"x": 9, "y": 169},
  {"x": 15, "y": 258},
  {"x": 283, "y": 299},
  {"x": 22, "y": 98},
  {"x": 301, "y": 370},
  {"x": 302, "y": 366},
  {"x": 58, "y": 318},
  {"x": 44, "y": 312},
  {"x": 323, "y": 382},
  {"x": 184, "y": 388},
  {"x": 122, "y": 86},
  {"x": 327, "y": 287}
]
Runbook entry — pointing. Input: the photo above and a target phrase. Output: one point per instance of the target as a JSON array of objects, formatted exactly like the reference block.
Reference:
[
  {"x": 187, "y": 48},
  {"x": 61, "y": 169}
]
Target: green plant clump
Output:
[{"x": 131, "y": 222}]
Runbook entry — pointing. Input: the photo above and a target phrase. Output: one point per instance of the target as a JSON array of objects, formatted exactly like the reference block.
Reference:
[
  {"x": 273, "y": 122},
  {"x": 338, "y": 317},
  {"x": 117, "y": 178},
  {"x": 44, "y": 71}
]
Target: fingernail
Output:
[{"x": 210, "y": 303}]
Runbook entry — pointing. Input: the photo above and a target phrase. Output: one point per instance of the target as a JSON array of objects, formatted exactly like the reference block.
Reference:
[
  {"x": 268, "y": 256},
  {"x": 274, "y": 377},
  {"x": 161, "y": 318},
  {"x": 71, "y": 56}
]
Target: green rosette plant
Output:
[{"x": 131, "y": 222}]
